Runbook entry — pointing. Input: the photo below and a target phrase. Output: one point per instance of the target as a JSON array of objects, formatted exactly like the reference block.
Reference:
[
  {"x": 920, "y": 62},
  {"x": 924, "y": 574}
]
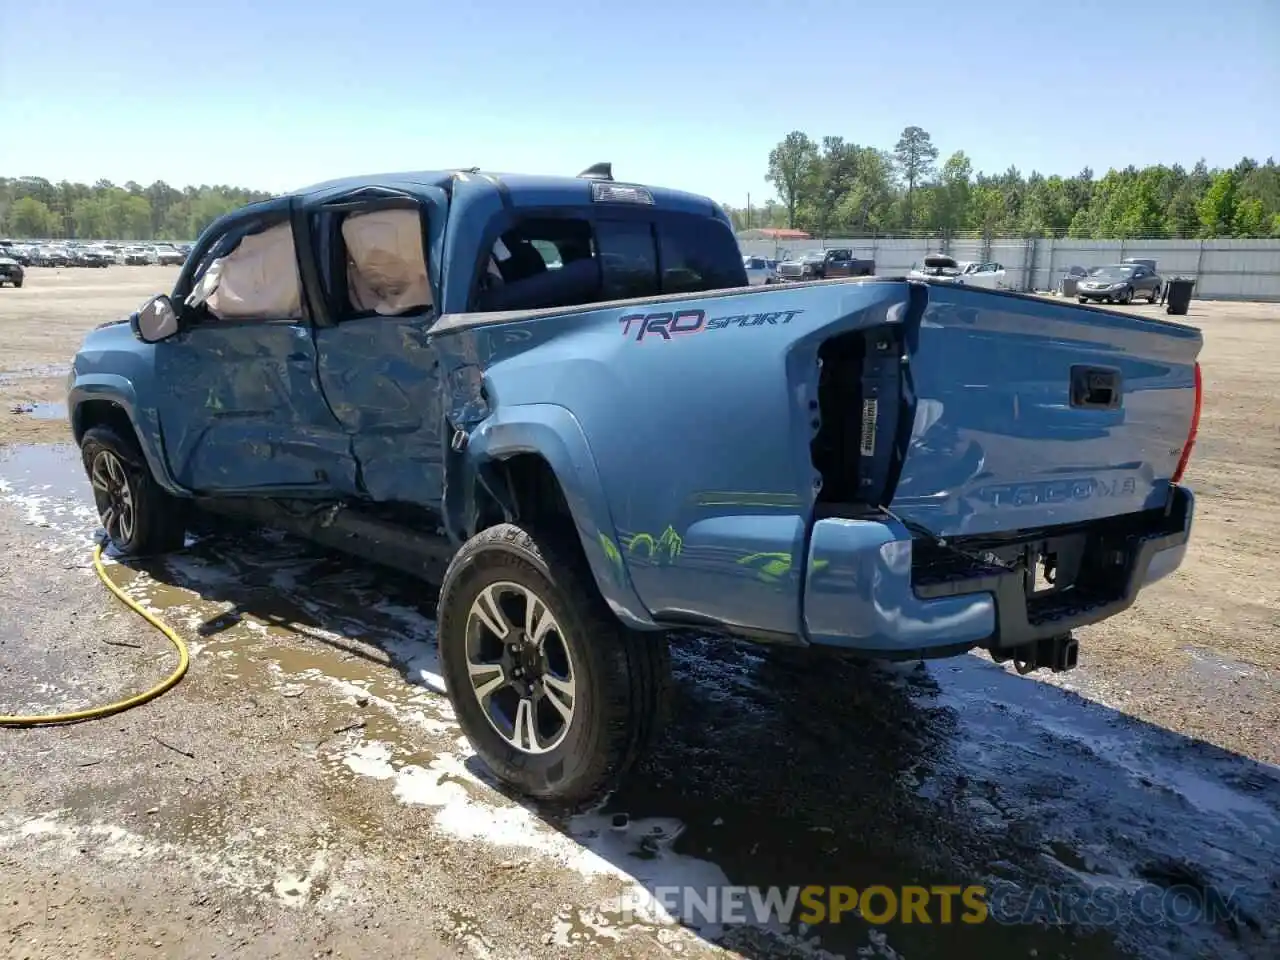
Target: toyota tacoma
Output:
[{"x": 558, "y": 399}]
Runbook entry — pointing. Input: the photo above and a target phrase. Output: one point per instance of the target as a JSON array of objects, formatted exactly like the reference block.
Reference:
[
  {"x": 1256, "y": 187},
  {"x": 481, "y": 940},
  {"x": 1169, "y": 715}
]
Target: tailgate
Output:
[{"x": 1033, "y": 413}]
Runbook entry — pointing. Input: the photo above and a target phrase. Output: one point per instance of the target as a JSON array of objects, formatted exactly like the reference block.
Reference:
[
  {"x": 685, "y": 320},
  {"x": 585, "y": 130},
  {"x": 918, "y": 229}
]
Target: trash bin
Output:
[
  {"x": 1178, "y": 296},
  {"x": 1069, "y": 286}
]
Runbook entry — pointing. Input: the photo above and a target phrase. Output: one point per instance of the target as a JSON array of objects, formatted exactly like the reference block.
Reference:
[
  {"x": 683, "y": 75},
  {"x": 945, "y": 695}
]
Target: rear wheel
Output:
[
  {"x": 138, "y": 515},
  {"x": 1154, "y": 295},
  {"x": 554, "y": 694}
]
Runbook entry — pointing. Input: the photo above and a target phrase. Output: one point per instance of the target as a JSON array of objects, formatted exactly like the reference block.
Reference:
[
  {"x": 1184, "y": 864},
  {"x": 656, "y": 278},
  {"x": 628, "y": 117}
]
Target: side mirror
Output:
[{"x": 156, "y": 320}]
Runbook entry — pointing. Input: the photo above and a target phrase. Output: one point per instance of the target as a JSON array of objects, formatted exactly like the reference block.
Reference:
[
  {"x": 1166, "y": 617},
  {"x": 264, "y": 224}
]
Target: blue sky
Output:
[{"x": 279, "y": 93}]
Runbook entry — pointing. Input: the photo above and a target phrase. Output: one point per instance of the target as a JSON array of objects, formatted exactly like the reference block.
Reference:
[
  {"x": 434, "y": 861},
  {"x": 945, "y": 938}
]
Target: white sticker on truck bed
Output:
[{"x": 869, "y": 412}]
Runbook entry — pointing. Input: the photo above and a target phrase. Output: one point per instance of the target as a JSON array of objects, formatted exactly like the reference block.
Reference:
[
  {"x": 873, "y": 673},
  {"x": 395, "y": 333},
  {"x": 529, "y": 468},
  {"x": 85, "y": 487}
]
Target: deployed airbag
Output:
[
  {"x": 258, "y": 280},
  {"x": 387, "y": 272}
]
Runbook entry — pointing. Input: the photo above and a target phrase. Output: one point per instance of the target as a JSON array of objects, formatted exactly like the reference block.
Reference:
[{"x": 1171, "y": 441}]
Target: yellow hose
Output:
[{"x": 93, "y": 713}]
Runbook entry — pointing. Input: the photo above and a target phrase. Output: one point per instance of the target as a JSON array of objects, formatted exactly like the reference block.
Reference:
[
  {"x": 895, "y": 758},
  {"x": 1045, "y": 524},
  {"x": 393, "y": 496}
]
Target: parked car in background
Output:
[
  {"x": 93, "y": 257},
  {"x": 138, "y": 256},
  {"x": 167, "y": 255},
  {"x": 53, "y": 255},
  {"x": 18, "y": 251},
  {"x": 1120, "y": 283},
  {"x": 824, "y": 264},
  {"x": 970, "y": 273},
  {"x": 760, "y": 270},
  {"x": 10, "y": 269}
]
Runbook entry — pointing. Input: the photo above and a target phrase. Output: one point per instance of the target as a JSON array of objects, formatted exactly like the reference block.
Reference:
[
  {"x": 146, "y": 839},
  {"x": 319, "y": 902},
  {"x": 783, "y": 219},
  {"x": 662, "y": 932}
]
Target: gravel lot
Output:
[{"x": 305, "y": 791}]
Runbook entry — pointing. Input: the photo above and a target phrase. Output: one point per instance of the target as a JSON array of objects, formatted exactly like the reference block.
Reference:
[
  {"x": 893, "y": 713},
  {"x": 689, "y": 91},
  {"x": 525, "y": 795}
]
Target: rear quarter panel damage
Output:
[{"x": 697, "y": 414}]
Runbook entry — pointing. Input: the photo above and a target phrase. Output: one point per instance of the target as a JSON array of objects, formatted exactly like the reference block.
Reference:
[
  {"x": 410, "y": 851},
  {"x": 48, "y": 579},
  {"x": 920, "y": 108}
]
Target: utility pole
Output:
[{"x": 748, "y": 211}]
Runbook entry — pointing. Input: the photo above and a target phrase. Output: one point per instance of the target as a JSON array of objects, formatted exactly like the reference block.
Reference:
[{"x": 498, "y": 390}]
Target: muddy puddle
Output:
[
  {"x": 53, "y": 469},
  {"x": 775, "y": 771},
  {"x": 41, "y": 411},
  {"x": 38, "y": 372}
]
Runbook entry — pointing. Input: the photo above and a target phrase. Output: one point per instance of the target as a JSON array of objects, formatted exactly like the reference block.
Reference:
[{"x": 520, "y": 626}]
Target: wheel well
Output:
[
  {"x": 102, "y": 413},
  {"x": 522, "y": 487}
]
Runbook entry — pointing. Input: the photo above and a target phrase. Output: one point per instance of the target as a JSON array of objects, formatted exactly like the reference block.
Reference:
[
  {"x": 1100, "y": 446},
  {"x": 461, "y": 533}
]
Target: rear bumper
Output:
[{"x": 864, "y": 592}]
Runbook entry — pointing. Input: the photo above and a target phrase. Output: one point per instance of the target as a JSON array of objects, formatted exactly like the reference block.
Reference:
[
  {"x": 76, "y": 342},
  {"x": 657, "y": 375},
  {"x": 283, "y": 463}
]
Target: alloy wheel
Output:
[
  {"x": 113, "y": 494},
  {"x": 521, "y": 670}
]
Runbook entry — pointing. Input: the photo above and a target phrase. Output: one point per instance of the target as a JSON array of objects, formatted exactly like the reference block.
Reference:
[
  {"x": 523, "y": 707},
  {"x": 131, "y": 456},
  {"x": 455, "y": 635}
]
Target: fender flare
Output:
[
  {"x": 553, "y": 433},
  {"x": 120, "y": 391}
]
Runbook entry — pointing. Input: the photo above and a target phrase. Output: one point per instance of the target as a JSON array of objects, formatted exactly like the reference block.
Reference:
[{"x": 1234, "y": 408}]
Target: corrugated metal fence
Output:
[{"x": 1222, "y": 269}]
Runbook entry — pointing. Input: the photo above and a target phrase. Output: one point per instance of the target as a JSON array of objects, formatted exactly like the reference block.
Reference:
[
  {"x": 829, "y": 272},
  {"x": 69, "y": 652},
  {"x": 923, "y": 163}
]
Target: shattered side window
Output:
[{"x": 386, "y": 262}]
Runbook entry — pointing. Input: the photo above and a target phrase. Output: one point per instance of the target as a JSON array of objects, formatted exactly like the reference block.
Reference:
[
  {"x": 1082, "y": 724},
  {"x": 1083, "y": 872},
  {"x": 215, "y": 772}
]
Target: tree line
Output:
[
  {"x": 838, "y": 188},
  {"x": 32, "y": 207},
  {"x": 828, "y": 188}
]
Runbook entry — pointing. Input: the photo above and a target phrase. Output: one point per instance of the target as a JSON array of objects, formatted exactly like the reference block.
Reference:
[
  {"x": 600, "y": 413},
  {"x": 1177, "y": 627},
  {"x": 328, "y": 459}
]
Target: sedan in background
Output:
[
  {"x": 940, "y": 267},
  {"x": 168, "y": 255},
  {"x": 52, "y": 255},
  {"x": 137, "y": 256},
  {"x": 1120, "y": 283},
  {"x": 93, "y": 257}
]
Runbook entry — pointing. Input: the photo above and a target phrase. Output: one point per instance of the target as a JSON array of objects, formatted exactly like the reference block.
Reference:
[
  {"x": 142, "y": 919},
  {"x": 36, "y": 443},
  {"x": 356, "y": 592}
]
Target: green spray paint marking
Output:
[
  {"x": 663, "y": 550},
  {"x": 611, "y": 552}
]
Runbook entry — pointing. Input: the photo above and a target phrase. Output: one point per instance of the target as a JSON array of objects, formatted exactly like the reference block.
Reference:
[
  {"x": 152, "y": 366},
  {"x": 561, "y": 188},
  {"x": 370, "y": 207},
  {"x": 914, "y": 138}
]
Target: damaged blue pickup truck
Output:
[{"x": 558, "y": 399}]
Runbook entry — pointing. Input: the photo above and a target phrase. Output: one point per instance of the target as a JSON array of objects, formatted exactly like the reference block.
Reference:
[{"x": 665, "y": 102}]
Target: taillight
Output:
[{"x": 1191, "y": 434}]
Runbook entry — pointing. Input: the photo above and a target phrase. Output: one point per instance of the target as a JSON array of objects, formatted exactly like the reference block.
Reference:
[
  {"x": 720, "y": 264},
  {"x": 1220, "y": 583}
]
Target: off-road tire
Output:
[
  {"x": 624, "y": 675},
  {"x": 160, "y": 518}
]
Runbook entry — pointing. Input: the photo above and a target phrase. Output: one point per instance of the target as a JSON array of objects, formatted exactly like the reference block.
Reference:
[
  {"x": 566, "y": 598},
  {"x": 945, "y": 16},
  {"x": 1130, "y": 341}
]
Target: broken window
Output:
[
  {"x": 257, "y": 279},
  {"x": 386, "y": 265}
]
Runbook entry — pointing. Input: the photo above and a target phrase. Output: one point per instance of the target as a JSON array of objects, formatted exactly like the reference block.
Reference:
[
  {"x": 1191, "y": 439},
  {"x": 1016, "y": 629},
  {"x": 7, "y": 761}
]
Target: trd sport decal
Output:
[{"x": 680, "y": 323}]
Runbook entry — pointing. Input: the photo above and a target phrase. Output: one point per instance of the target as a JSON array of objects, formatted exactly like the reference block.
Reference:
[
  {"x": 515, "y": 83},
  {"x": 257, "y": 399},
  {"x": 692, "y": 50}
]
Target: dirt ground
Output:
[{"x": 305, "y": 791}]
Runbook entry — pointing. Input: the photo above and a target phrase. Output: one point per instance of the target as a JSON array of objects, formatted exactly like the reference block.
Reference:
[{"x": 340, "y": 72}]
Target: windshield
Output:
[
  {"x": 1111, "y": 273},
  {"x": 812, "y": 255}
]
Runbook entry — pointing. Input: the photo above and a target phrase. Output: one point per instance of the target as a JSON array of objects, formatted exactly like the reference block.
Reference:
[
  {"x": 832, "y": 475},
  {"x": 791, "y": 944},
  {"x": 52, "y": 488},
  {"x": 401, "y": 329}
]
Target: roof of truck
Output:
[{"x": 547, "y": 190}]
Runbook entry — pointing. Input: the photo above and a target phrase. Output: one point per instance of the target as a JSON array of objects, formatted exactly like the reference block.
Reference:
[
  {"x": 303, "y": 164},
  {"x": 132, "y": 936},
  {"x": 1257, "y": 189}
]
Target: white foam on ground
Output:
[{"x": 232, "y": 865}]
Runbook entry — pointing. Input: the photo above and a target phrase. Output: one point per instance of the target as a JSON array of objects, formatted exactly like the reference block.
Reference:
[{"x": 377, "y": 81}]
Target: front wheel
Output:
[
  {"x": 1082, "y": 299},
  {"x": 1126, "y": 295},
  {"x": 554, "y": 694},
  {"x": 138, "y": 515}
]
